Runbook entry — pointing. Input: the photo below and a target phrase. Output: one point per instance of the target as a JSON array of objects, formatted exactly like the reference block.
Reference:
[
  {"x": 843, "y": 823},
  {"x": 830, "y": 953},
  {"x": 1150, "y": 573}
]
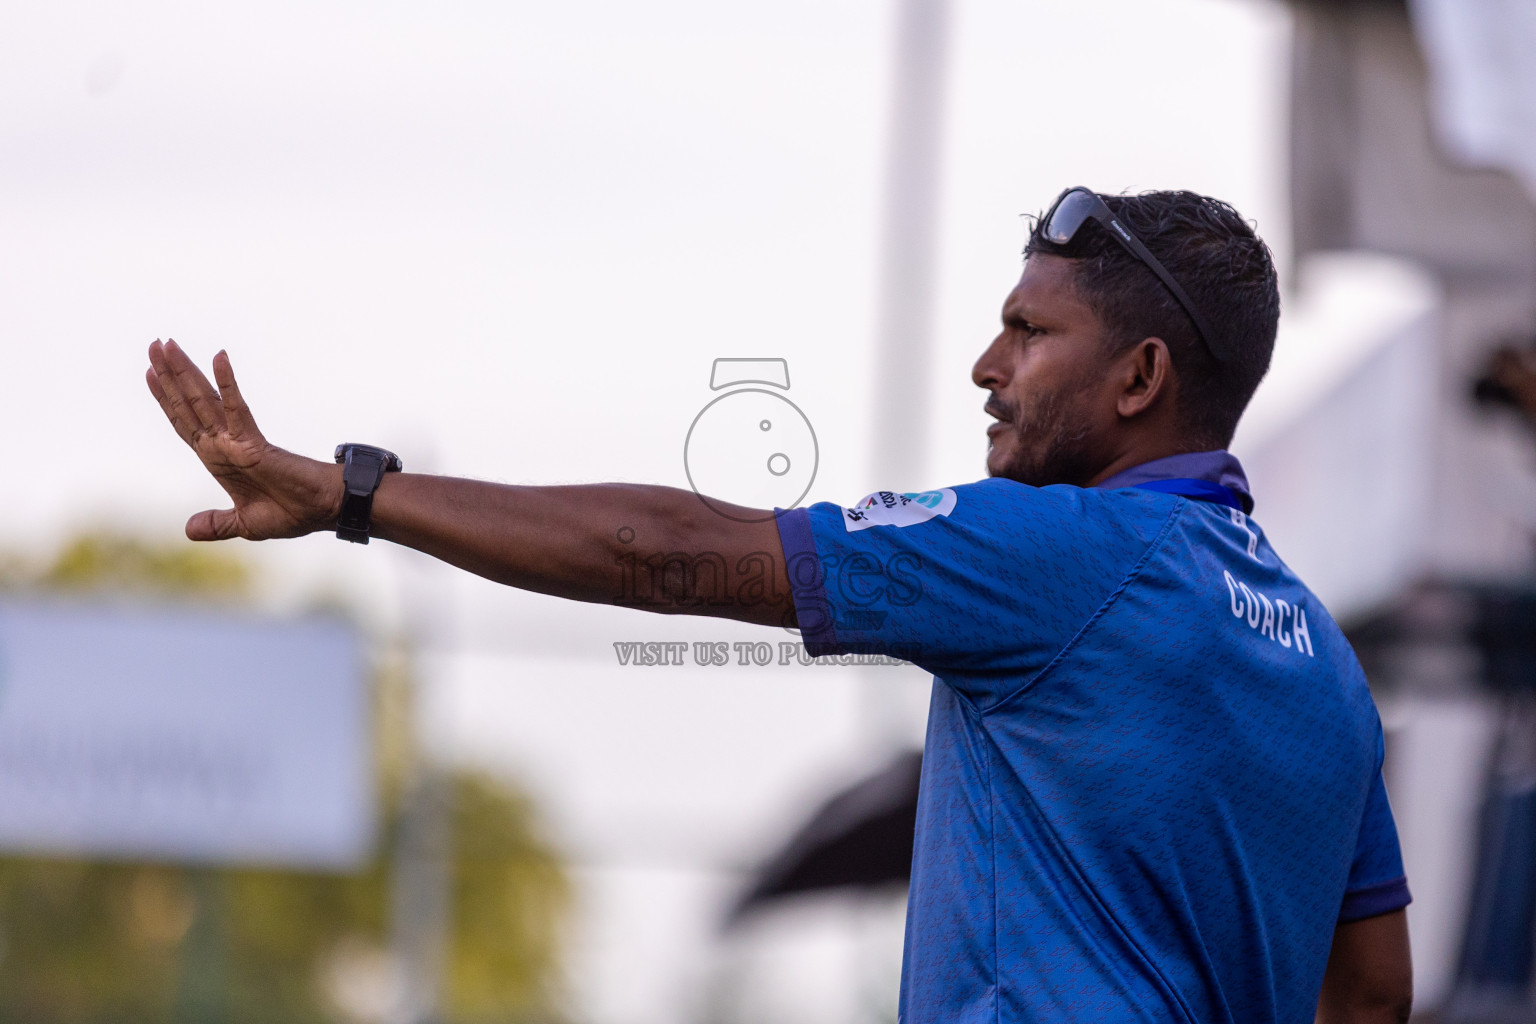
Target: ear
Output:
[{"x": 1145, "y": 372}]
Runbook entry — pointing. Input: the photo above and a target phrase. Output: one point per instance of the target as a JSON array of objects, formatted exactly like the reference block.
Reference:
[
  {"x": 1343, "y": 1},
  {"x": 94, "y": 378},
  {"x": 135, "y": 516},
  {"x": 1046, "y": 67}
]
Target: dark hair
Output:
[{"x": 1228, "y": 273}]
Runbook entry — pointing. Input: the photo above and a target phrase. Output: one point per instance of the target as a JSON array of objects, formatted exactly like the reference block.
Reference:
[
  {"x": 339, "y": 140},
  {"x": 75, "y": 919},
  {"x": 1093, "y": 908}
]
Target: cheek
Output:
[
  {"x": 1040, "y": 395},
  {"x": 1053, "y": 408},
  {"x": 1067, "y": 380},
  {"x": 1043, "y": 369}
]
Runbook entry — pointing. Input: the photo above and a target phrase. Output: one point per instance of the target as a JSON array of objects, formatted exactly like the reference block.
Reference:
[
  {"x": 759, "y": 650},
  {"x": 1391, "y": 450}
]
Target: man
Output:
[{"x": 1152, "y": 783}]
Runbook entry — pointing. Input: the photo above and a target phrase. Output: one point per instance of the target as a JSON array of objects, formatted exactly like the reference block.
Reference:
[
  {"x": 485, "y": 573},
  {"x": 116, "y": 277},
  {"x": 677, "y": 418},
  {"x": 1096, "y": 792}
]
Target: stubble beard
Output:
[{"x": 1065, "y": 457}]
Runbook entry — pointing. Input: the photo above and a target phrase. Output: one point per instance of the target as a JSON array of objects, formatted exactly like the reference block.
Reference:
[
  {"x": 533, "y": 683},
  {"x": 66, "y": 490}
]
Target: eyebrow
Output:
[{"x": 1014, "y": 316}]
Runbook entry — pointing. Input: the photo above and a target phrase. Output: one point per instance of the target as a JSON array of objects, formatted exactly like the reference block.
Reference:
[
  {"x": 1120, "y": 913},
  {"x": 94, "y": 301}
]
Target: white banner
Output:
[{"x": 176, "y": 734}]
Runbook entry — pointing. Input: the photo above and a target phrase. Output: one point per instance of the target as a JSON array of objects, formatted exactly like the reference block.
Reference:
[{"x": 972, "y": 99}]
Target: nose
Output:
[{"x": 990, "y": 371}]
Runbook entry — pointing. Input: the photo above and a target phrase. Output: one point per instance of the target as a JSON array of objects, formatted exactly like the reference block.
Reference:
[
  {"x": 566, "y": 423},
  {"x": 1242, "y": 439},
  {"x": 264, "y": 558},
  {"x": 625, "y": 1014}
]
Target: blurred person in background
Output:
[
  {"x": 1152, "y": 782},
  {"x": 1509, "y": 379}
]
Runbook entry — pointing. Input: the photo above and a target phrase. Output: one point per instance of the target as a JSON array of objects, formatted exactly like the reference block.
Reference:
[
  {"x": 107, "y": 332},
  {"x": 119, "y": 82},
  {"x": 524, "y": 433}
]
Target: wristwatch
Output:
[{"x": 365, "y": 469}]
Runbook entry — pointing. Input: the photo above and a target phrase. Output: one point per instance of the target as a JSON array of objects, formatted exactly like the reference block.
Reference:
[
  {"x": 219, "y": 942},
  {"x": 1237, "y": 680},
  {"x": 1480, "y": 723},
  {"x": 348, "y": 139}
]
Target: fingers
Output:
[
  {"x": 241, "y": 422},
  {"x": 214, "y": 524},
  {"x": 185, "y": 379},
  {"x": 162, "y": 384},
  {"x": 201, "y": 395},
  {"x": 153, "y": 380}
]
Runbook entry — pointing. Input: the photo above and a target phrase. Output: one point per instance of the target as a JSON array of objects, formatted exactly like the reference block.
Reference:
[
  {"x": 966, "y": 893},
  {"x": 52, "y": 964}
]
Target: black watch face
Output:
[{"x": 390, "y": 461}]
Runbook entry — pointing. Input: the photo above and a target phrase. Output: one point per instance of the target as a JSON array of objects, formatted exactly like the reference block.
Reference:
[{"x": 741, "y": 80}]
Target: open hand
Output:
[{"x": 276, "y": 493}]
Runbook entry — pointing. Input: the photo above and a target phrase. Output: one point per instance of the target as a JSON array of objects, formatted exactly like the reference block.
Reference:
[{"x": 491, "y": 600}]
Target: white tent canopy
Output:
[{"x": 1483, "y": 80}]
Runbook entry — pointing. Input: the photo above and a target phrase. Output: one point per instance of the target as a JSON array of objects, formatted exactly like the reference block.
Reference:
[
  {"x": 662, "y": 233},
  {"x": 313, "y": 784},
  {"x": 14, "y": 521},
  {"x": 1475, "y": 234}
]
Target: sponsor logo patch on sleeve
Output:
[{"x": 890, "y": 508}]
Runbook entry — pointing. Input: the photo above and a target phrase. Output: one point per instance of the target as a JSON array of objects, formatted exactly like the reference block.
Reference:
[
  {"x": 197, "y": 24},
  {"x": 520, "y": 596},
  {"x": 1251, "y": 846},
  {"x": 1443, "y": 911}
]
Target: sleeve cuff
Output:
[
  {"x": 1375, "y": 899},
  {"x": 807, "y": 583}
]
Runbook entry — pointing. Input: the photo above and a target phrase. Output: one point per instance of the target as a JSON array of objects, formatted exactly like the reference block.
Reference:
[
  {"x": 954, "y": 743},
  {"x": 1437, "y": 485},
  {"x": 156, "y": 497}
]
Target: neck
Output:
[{"x": 1135, "y": 456}]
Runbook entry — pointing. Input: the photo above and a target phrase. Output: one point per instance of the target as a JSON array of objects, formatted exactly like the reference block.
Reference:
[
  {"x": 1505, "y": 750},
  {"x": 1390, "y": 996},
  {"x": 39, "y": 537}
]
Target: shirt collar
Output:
[{"x": 1217, "y": 467}]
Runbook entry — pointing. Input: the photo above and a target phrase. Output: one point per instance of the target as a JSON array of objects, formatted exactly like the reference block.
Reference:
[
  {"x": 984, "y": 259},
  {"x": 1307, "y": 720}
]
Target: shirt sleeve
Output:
[
  {"x": 990, "y": 578},
  {"x": 1377, "y": 884}
]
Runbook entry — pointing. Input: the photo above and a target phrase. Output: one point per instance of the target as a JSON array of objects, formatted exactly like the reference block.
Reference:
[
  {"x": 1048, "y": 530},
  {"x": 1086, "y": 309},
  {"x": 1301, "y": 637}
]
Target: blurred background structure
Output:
[
  {"x": 511, "y": 241},
  {"x": 179, "y": 848},
  {"x": 1404, "y": 500}
]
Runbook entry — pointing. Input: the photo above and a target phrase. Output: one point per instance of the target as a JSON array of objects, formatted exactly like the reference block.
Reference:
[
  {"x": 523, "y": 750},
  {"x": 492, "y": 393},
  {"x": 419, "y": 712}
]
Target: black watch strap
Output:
[{"x": 364, "y": 469}]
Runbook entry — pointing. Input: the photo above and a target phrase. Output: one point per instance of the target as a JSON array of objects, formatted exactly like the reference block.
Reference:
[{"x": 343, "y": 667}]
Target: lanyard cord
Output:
[{"x": 1201, "y": 490}]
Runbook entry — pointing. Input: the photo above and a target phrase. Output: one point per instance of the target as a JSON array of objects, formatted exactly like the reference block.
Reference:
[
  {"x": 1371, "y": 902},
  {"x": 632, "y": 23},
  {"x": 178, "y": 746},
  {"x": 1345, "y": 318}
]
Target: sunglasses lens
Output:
[{"x": 1068, "y": 216}]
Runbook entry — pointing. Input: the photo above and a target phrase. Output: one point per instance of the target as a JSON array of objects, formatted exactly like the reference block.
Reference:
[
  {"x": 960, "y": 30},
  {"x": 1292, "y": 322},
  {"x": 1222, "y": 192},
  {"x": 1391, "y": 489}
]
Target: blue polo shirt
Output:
[{"x": 1152, "y": 781}]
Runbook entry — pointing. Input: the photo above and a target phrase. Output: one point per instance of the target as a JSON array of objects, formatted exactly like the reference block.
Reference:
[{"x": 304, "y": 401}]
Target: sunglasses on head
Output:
[{"x": 1074, "y": 207}]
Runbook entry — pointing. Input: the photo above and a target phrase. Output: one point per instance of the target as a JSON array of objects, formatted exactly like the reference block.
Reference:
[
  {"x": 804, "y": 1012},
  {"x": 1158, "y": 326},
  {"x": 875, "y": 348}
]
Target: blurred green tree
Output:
[{"x": 92, "y": 942}]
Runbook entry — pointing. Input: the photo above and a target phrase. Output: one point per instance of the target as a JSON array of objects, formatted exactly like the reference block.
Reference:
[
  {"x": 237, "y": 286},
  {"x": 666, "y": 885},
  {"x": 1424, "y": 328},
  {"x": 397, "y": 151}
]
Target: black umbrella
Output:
[{"x": 861, "y": 838}]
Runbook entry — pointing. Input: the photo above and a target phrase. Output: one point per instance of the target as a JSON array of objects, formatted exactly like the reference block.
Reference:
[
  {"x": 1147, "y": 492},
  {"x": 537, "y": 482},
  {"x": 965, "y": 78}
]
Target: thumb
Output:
[{"x": 214, "y": 524}]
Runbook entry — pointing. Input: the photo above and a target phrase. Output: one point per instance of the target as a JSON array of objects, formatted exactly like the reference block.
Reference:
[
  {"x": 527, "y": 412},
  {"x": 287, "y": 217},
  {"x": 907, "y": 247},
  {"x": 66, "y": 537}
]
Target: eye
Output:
[{"x": 1022, "y": 329}]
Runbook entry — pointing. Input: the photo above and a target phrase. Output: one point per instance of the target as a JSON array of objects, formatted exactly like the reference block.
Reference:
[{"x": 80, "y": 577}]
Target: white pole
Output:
[
  {"x": 421, "y": 912},
  {"x": 909, "y": 242},
  {"x": 909, "y": 246},
  {"x": 904, "y": 343}
]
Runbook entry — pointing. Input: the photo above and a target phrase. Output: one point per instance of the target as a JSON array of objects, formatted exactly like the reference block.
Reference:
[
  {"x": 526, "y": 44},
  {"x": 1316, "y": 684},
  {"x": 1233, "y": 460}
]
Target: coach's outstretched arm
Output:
[{"x": 555, "y": 540}]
